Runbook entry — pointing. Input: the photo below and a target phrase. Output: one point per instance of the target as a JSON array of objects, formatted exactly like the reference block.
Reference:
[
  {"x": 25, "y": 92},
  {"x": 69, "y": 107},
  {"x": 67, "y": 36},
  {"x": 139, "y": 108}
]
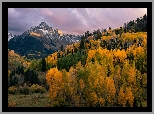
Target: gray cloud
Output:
[{"x": 71, "y": 20}]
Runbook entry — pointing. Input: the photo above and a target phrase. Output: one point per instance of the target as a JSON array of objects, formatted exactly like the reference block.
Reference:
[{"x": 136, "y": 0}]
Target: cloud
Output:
[{"x": 71, "y": 20}]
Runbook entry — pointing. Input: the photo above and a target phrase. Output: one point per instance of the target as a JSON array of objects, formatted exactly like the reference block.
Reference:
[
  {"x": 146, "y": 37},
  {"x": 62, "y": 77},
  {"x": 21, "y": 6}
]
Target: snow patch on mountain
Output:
[{"x": 45, "y": 32}]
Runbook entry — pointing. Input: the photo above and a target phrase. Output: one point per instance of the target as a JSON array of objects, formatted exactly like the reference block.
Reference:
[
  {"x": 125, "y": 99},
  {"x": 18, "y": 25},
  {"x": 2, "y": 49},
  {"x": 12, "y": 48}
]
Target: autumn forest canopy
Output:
[{"x": 106, "y": 68}]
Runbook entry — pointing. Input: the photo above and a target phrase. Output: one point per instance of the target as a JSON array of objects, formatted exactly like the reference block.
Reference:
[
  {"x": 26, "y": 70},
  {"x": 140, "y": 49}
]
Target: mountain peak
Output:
[
  {"x": 43, "y": 25},
  {"x": 10, "y": 35}
]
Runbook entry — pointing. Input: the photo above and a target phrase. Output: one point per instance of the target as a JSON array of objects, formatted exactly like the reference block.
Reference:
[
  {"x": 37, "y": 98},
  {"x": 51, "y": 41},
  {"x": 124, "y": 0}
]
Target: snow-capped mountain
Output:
[
  {"x": 10, "y": 35},
  {"x": 41, "y": 38},
  {"x": 44, "y": 30}
]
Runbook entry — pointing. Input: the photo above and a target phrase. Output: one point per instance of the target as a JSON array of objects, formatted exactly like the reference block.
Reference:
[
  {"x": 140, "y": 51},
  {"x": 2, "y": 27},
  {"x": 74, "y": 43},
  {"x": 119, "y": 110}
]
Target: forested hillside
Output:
[{"x": 102, "y": 74}]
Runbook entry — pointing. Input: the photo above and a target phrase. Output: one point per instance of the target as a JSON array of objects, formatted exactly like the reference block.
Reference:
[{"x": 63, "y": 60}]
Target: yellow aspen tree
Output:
[
  {"x": 121, "y": 98},
  {"x": 129, "y": 96},
  {"x": 92, "y": 99},
  {"x": 110, "y": 91},
  {"x": 54, "y": 79}
]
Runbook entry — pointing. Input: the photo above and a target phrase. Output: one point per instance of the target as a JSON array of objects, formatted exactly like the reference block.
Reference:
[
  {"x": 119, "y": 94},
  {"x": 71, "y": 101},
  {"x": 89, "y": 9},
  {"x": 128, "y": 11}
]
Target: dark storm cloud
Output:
[{"x": 71, "y": 20}]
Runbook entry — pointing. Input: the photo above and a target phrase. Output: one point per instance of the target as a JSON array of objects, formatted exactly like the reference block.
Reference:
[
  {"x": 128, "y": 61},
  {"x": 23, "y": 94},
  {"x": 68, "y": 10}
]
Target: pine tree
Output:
[
  {"x": 61, "y": 48},
  {"x": 43, "y": 65}
]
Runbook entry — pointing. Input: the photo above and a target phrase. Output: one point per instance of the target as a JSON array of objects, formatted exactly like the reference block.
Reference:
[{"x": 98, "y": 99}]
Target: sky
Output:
[{"x": 75, "y": 21}]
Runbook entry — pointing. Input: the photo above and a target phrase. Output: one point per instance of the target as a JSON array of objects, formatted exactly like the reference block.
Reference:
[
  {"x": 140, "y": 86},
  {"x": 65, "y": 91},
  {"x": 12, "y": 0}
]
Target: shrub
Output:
[
  {"x": 16, "y": 80},
  {"x": 12, "y": 90},
  {"x": 35, "y": 88},
  {"x": 24, "y": 90},
  {"x": 42, "y": 80},
  {"x": 12, "y": 104},
  {"x": 31, "y": 76}
]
